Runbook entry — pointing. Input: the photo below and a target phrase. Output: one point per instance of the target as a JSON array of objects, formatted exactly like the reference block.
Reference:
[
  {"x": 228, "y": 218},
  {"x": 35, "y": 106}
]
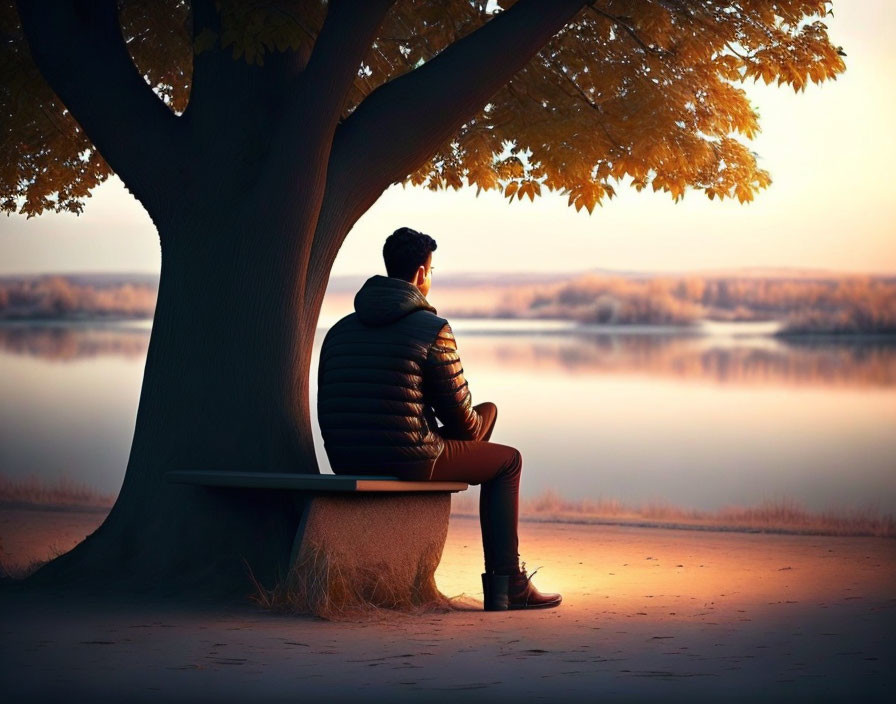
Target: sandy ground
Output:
[{"x": 648, "y": 614}]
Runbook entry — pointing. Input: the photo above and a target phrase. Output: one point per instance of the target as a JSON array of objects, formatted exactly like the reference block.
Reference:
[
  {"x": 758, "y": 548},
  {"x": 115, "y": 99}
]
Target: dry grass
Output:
[
  {"x": 16, "y": 573},
  {"x": 13, "y": 572},
  {"x": 332, "y": 589},
  {"x": 64, "y": 493},
  {"x": 779, "y": 516},
  {"x": 784, "y": 515}
]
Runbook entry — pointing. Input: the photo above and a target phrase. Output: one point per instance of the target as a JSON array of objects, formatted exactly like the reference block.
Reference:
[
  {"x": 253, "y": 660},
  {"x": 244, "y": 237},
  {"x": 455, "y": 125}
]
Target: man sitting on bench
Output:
[{"x": 386, "y": 372}]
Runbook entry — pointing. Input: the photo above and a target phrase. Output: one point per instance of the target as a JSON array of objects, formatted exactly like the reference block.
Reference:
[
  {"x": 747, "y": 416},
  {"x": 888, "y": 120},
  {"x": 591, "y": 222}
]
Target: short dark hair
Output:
[{"x": 406, "y": 250}]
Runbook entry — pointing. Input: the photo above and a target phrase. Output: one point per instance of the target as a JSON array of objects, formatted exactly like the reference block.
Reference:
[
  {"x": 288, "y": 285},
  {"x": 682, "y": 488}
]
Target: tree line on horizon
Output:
[
  {"x": 846, "y": 304},
  {"x": 60, "y": 297}
]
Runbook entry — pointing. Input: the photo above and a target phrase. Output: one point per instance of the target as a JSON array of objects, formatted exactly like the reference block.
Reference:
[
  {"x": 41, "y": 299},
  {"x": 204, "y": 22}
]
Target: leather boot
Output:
[
  {"x": 522, "y": 594},
  {"x": 514, "y": 591},
  {"x": 494, "y": 590}
]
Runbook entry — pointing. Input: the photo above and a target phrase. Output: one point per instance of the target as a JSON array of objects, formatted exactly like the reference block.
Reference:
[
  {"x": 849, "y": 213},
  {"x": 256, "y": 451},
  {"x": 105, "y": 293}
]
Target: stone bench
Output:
[{"x": 362, "y": 541}]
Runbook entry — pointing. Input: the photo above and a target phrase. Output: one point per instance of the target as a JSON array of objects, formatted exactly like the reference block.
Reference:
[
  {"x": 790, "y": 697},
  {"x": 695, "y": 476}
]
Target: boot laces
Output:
[{"x": 529, "y": 576}]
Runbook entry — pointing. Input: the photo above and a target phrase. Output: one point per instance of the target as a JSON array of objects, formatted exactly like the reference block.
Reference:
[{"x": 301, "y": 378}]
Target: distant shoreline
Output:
[{"x": 841, "y": 305}]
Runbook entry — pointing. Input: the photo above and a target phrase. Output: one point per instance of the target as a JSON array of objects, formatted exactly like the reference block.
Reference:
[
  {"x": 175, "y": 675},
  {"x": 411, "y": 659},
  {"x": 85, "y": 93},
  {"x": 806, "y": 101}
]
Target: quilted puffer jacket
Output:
[{"x": 386, "y": 373}]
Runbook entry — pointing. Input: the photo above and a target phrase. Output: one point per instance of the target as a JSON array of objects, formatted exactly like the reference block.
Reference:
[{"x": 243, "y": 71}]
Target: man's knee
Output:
[
  {"x": 515, "y": 461},
  {"x": 487, "y": 408}
]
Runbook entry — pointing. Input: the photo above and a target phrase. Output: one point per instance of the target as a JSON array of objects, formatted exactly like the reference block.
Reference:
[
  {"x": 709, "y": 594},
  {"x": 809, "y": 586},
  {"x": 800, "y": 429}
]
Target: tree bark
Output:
[{"x": 225, "y": 387}]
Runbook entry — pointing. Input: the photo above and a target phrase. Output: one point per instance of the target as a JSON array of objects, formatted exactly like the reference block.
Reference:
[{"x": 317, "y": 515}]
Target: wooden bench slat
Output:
[{"x": 307, "y": 482}]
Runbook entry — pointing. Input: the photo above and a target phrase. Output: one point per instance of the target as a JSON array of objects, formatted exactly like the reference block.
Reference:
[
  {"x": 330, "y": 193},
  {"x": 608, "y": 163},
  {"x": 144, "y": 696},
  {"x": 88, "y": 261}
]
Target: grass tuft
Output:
[
  {"x": 63, "y": 493},
  {"x": 335, "y": 590},
  {"x": 780, "y": 515}
]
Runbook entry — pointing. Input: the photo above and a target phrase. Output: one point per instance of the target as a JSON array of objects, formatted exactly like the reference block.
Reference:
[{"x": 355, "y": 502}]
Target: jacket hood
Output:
[{"x": 384, "y": 299}]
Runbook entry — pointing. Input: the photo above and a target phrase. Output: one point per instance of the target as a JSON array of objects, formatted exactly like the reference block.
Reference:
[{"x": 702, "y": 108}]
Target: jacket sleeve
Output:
[{"x": 446, "y": 390}]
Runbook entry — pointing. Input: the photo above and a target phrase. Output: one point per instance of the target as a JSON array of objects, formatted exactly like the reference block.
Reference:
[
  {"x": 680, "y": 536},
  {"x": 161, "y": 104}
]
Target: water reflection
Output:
[
  {"x": 698, "y": 420},
  {"x": 694, "y": 358},
  {"x": 733, "y": 359},
  {"x": 61, "y": 343}
]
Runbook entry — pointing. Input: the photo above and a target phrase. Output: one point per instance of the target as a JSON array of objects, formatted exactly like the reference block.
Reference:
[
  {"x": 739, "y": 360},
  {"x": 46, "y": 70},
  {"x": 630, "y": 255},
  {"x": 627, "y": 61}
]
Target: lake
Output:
[{"x": 722, "y": 415}]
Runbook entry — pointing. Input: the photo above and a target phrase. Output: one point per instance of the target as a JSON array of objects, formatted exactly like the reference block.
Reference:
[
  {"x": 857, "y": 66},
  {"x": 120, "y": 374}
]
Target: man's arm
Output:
[{"x": 446, "y": 390}]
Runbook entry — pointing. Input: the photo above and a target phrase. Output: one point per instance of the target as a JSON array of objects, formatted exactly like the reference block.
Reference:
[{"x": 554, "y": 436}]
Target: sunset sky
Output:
[{"x": 831, "y": 205}]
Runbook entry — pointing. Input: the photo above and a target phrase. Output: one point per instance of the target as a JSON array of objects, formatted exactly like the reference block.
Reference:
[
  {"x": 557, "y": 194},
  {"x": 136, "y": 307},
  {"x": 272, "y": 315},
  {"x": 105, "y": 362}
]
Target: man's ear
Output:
[{"x": 420, "y": 276}]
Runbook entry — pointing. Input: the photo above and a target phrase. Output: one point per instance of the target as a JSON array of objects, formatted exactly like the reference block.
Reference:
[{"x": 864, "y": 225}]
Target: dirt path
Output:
[{"x": 648, "y": 614}]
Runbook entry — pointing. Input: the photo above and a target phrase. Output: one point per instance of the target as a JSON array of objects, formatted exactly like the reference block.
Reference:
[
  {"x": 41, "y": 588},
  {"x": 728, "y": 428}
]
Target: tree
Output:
[{"x": 256, "y": 135}]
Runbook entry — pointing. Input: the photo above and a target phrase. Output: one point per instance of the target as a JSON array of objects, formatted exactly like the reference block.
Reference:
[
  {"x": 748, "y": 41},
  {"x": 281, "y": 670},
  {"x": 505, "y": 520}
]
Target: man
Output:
[{"x": 387, "y": 372}]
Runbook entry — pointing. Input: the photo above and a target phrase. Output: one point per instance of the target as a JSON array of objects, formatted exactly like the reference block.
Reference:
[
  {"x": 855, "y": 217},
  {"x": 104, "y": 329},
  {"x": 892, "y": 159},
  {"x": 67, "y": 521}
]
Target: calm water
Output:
[{"x": 727, "y": 416}]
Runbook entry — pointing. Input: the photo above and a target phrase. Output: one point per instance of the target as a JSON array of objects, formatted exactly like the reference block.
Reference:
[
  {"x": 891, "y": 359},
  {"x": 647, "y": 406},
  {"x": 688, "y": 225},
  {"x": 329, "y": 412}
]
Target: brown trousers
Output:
[{"x": 497, "y": 468}]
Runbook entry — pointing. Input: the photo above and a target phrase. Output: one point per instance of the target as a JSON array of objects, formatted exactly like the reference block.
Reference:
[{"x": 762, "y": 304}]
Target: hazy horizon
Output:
[{"x": 746, "y": 270}]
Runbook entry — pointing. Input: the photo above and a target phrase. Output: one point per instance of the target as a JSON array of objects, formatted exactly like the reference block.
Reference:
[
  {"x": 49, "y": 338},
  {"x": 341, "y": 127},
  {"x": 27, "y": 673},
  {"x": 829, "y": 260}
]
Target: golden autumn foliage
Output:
[{"x": 642, "y": 91}]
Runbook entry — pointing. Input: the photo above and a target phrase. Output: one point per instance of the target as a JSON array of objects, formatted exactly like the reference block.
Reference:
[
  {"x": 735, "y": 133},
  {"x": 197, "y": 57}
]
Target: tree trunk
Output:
[{"x": 225, "y": 387}]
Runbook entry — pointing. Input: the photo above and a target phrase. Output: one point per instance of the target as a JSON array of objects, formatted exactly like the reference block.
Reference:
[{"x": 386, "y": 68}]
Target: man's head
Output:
[{"x": 408, "y": 256}]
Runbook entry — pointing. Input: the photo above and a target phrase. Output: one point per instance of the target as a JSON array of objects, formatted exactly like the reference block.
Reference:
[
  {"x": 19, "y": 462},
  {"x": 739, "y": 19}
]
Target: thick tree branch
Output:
[
  {"x": 310, "y": 114},
  {"x": 222, "y": 86},
  {"x": 227, "y": 122},
  {"x": 403, "y": 122},
  {"x": 80, "y": 51},
  {"x": 342, "y": 44}
]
